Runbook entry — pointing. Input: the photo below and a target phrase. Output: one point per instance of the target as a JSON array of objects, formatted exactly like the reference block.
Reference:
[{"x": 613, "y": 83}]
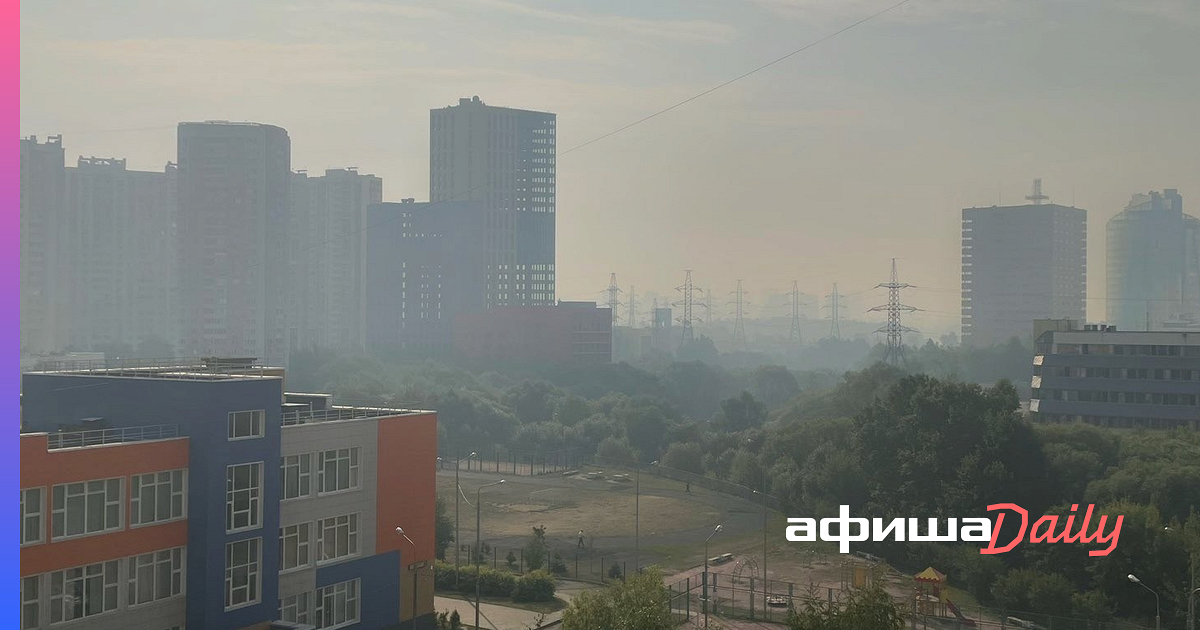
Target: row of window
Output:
[
  {"x": 1128, "y": 349},
  {"x": 93, "y": 589},
  {"x": 335, "y": 538},
  {"x": 1158, "y": 374},
  {"x": 96, "y": 506},
  {"x": 330, "y": 606},
  {"x": 337, "y": 470},
  {"x": 1138, "y": 398}
]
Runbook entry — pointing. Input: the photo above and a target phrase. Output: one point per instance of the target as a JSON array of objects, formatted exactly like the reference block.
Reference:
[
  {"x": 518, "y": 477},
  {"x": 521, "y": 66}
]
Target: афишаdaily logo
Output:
[{"x": 967, "y": 529}]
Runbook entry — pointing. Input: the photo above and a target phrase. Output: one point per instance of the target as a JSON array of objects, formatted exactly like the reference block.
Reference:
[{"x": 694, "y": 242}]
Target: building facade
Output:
[
  {"x": 1019, "y": 264},
  {"x": 566, "y": 334},
  {"x": 328, "y": 230},
  {"x": 233, "y": 219},
  {"x": 248, "y": 506},
  {"x": 425, "y": 266},
  {"x": 1153, "y": 263},
  {"x": 1111, "y": 378},
  {"x": 44, "y": 289},
  {"x": 505, "y": 159}
]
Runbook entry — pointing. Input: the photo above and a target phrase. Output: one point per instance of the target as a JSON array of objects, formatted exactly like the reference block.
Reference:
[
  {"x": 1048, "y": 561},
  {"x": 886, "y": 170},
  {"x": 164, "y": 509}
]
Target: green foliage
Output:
[
  {"x": 492, "y": 583},
  {"x": 535, "y": 549},
  {"x": 684, "y": 456},
  {"x": 775, "y": 385},
  {"x": 443, "y": 528},
  {"x": 865, "y": 608},
  {"x": 535, "y": 586},
  {"x": 741, "y": 413},
  {"x": 639, "y": 603},
  {"x": 557, "y": 565},
  {"x": 616, "y": 450},
  {"x": 614, "y": 571},
  {"x": 510, "y": 561},
  {"x": 1033, "y": 591}
]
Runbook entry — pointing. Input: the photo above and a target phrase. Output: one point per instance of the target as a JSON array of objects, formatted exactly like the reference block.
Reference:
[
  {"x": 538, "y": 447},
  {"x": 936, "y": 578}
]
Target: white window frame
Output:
[
  {"x": 31, "y": 622},
  {"x": 38, "y": 516},
  {"x": 330, "y": 461},
  {"x": 299, "y": 466},
  {"x": 328, "y": 530},
  {"x": 253, "y": 492},
  {"x": 170, "y": 560},
  {"x": 296, "y": 608},
  {"x": 253, "y": 568},
  {"x": 139, "y": 483},
  {"x": 107, "y": 574},
  {"x": 301, "y": 536},
  {"x": 327, "y": 597},
  {"x": 246, "y": 425},
  {"x": 82, "y": 489}
]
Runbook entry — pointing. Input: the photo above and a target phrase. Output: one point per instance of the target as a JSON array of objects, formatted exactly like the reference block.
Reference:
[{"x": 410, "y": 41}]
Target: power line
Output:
[
  {"x": 894, "y": 329},
  {"x": 739, "y": 77}
]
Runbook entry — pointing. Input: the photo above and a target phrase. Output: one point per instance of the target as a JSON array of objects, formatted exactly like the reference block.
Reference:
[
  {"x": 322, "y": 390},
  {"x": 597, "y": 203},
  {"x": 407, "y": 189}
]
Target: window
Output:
[
  {"x": 32, "y": 527},
  {"x": 156, "y": 575},
  {"x": 246, "y": 424},
  {"x": 30, "y": 603},
  {"x": 296, "y": 476},
  {"x": 337, "y": 605},
  {"x": 87, "y": 507},
  {"x": 83, "y": 591},
  {"x": 294, "y": 546},
  {"x": 241, "y": 572},
  {"x": 156, "y": 497},
  {"x": 243, "y": 496},
  {"x": 337, "y": 537},
  {"x": 296, "y": 608},
  {"x": 337, "y": 470}
]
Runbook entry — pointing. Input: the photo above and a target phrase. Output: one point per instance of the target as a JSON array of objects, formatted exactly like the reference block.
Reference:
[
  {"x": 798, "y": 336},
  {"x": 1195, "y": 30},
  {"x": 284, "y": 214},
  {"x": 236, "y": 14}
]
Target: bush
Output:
[
  {"x": 491, "y": 582},
  {"x": 511, "y": 561},
  {"x": 557, "y": 566},
  {"x": 614, "y": 572},
  {"x": 535, "y": 586}
]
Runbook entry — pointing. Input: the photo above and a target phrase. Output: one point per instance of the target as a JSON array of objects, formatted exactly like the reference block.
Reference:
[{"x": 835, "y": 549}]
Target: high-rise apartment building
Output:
[
  {"x": 328, "y": 230},
  {"x": 1019, "y": 264},
  {"x": 425, "y": 267},
  {"x": 233, "y": 219},
  {"x": 43, "y": 283},
  {"x": 201, "y": 494},
  {"x": 121, "y": 250},
  {"x": 505, "y": 159},
  {"x": 1153, "y": 264}
]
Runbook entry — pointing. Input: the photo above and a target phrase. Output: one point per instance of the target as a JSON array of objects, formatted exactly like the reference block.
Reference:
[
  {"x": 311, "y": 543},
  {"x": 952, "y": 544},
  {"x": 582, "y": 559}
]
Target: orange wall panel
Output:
[{"x": 406, "y": 485}]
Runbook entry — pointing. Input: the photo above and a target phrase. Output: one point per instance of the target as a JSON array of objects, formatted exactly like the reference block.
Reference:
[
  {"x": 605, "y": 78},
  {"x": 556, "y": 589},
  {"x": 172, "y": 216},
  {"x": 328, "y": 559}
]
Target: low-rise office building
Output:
[{"x": 1112, "y": 378}]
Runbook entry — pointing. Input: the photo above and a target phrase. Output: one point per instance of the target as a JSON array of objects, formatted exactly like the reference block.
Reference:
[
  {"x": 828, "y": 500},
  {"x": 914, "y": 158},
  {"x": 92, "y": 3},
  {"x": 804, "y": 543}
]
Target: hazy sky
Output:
[{"x": 818, "y": 169}]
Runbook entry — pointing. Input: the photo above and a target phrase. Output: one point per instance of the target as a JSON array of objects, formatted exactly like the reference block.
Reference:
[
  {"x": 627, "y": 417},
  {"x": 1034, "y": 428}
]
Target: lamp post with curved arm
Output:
[
  {"x": 457, "y": 495},
  {"x": 478, "y": 549},
  {"x": 716, "y": 529},
  {"x": 637, "y": 514},
  {"x": 1157, "y": 611},
  {"x": 416, "y": 572}
]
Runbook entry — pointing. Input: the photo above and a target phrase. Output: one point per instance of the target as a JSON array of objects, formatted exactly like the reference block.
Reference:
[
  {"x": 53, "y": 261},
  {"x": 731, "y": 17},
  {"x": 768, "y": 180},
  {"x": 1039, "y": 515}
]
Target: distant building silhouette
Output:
[
  {"x": 1019, "y": 264},
  {"x": 233, "y": 217},
  {"x": 43, "y": 282},
  {"x": 1153, "y": 262},
  {"x": 505, "y": 159}
]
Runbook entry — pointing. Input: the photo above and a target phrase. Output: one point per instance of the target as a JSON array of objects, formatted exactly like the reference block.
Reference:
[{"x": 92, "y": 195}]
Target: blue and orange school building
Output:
[{"x": 202, "y": 494}]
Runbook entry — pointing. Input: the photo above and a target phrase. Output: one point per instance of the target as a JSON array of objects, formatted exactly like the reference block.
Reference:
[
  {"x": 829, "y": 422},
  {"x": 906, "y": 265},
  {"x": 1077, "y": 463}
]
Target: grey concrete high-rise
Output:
[
  {"x": 505, "y": 159},
  {"x": 122, "y": 243},
  {"x": 1153, "y": 264},
  {"x": 44, "y": 290},
  {"x": 328, "y": 231},
  {"x": 1021, "y": 263},
  {"x": 233, "y": 218}
]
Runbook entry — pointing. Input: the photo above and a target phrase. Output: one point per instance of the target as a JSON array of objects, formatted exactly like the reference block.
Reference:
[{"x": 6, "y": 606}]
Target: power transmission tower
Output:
[
  {"x": 688, "y": 292},
  {"x": 708, "y": 305},
  {"x": 613, "y": 303},
  {"x": 894, "y": 329},
  {"x": 834, "y": 304},
  {"x": 794, "y": 335},
  {"x": 632, "y": 307},
  {"x": 739, "y": 325}
]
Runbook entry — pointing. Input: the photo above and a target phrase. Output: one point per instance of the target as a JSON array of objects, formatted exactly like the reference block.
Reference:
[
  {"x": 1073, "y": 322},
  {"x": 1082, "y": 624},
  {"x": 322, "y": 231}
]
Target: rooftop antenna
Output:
[{"x": 1037, "y": 197}]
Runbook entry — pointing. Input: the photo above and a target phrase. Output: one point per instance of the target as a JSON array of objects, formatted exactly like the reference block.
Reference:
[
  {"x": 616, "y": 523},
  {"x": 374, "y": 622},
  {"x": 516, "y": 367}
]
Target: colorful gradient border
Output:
[{"x": 10, "y": 314}]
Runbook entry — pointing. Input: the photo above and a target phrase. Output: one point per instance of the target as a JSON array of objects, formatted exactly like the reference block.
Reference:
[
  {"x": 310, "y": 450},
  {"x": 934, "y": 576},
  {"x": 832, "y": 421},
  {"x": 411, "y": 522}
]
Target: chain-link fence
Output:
[{"x": 508, "y": 461}]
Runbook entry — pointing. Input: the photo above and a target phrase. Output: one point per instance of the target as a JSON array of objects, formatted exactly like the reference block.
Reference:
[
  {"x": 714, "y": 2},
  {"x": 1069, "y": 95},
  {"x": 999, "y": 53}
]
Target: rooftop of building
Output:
[
  {"x": 89, "y": 438},
  {"x": 475, "y": 101},
  {"x": 1101, "y": 333},
  {"x": 188, "y": 369}
]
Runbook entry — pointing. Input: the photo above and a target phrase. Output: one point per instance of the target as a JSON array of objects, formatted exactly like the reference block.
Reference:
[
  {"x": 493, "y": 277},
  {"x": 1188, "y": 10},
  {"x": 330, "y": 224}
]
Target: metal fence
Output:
[
  {"x": 508, "y": 461},
  {"x": 93, "y": 437}
]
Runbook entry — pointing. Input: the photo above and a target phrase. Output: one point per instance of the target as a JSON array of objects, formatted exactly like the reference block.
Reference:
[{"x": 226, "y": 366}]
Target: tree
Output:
[
  {"x": 741, "y": 413},
  {"x": 700, "y": 349},
  {"x": 615, "y": 450},
  {"x": 443, "y": 528},
  {"x": 533, "y": 401},
  {"x": 641, "y": 602},
  {"x": 775, "y": 385},
  {"x": 684, "y": 456},
  {"x": 863, "y": 609},
  {"x": 571, "y": 410},
  {"x": 535, "y": 549}
]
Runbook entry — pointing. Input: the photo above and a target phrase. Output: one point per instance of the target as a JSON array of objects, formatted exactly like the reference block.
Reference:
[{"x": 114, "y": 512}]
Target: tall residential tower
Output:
[{"x": 505, "y": 159}]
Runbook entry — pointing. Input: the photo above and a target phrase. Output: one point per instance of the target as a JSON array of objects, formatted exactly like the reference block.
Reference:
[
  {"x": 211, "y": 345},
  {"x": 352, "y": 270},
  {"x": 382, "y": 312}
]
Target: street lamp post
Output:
[
  {"x": 764, "y": 496},
  {"x": 637, "y": 514},
  {"x": 478, "y": 549},
  {"x": 1157, "y": 611},
  {"x": 1191, "y": 621},
  {"x": 714, "y": 533},
  {"x": 457, "y": 495},
  {"x": 400, "y": 530}
]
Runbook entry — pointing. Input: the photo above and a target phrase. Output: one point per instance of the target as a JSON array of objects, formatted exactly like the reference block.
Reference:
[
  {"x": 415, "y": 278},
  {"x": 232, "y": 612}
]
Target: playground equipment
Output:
[
  {"x": 857, "y": 574},
  {"x": 931, "y": 596}
]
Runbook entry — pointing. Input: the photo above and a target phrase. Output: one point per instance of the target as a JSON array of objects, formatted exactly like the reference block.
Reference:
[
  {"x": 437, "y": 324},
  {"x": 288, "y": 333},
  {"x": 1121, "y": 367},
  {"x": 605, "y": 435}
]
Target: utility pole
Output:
[
  {"x": 688, "y": 292},
  {"x": 739, "y": 324},
  {"x": 794, "y": 335},
  {"x": 613, "y": 303},
  {"x": 833, "y": 303},
  {"x": 894, "y": 329}
]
